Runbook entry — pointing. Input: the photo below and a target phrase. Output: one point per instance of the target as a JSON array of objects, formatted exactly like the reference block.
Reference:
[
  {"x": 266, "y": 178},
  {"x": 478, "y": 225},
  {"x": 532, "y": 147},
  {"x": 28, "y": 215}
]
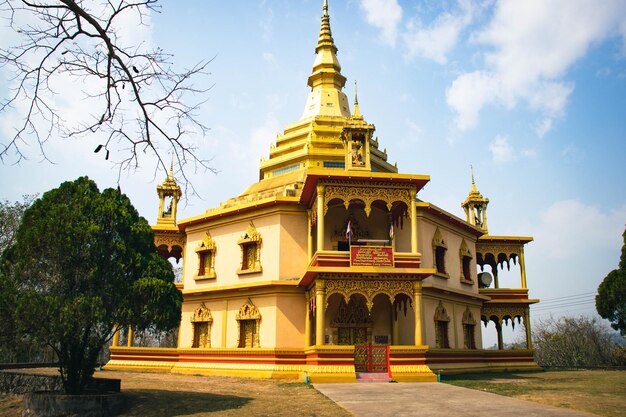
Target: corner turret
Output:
[
  {"x": 475, "y": 206},
  {"x": 169, "y": 195}
]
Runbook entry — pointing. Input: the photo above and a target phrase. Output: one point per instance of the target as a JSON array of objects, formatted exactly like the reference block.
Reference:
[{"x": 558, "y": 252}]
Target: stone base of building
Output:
[{"x": 319, "y": 364}]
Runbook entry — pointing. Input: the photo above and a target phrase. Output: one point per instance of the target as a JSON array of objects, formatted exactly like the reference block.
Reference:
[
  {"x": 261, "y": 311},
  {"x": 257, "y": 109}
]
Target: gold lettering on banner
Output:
[{"x": 371, "y": 256}]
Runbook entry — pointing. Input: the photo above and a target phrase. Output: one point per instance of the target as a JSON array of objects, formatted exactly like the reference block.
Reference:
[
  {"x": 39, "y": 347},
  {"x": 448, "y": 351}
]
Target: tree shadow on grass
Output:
[{"x": 161, "y": 403}]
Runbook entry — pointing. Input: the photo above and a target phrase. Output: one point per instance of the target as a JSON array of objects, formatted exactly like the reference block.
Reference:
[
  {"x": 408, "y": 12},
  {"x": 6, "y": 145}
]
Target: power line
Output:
[
  {"x": 564, "y": 304},
  {"x": 586, "y": 294}
]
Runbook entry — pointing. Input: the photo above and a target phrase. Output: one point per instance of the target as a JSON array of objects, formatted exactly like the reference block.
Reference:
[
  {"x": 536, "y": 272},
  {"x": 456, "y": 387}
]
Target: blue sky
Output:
[{"x": 532, "y": 94}]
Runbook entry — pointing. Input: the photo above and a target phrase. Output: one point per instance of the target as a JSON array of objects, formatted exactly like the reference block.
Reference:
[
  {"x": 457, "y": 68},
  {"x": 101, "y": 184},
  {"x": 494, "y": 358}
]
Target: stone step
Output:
[{"x": 372, "y": 377}]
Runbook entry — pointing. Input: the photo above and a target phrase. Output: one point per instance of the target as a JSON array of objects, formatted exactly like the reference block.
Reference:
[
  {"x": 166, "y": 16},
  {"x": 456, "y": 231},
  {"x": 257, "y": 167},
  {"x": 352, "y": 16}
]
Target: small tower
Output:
[
  {"x": 356, "y": 136},
  {"x": 169, "y": 194},
  {"x": 475, "y": 206}
]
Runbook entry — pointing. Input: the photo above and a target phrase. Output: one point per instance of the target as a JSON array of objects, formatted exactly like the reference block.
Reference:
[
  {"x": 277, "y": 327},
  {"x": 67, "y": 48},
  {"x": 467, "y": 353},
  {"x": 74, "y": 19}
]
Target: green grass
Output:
[{"x": 598, "y": 392}]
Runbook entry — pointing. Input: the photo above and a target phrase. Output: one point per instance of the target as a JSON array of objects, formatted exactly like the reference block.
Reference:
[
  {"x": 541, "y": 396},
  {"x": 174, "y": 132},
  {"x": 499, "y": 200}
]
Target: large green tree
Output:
[
  {"x": 84, "y": 264},
  {"x": 611, "y": 298}
]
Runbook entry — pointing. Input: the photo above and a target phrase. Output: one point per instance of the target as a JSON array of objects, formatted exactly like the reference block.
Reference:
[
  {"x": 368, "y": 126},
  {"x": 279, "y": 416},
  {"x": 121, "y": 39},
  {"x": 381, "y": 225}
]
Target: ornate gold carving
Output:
[
  {"x": 202, "y": 313},
  {"x": 368, "y": 195},
  {"x": 441, "y": 314},
  {"x": 438, "y": 240},
  {"x": 207, "y": 243},
  {"x": 369, "y": 289},
  {"x": 250, "y": 244},
  {"x": 251, "y": 235},
  {"x": 248, "y": 324},
  {"x": 201, "y": 327},
  {"x": 503, "y": 312},
  {"x": 464, "y": 250},
  {"x": 248, "y": 312},
  {"x": 468, "y": 317},
  {"x": 169, "y": 239}
]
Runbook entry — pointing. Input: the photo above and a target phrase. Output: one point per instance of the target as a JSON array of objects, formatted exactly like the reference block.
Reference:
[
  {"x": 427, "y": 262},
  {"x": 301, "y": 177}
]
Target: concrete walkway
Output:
[{"x": 432, "y": 400}]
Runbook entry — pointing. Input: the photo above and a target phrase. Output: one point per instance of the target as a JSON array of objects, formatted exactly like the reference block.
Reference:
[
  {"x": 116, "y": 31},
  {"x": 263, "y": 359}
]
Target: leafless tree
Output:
[{"x": 138, "y": 102}]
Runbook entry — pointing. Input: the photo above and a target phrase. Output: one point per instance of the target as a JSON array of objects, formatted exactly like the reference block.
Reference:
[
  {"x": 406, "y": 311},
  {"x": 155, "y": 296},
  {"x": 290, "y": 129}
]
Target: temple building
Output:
[{"x": 331, "y": 266}]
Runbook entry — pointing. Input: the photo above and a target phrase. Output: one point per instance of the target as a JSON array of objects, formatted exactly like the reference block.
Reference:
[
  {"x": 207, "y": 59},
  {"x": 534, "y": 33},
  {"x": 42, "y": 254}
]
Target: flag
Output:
[
  {"x": 349, "y": 231},
  {"x": 391, "y": 232}
]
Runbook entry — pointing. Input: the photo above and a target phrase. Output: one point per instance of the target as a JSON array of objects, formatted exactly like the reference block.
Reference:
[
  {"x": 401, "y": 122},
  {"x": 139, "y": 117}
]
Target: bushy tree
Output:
[
  {"x": 611, "y": 298},
  {"x": 575, "y": 342},
  {"x": 84, "y": 264},
  {"x": 10, "y": 219}
]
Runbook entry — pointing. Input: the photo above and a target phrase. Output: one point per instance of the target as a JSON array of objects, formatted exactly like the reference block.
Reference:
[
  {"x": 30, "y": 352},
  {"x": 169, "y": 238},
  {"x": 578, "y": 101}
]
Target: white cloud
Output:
[
  {"x": 569, "y": 229},
  {"x": 532, "y": 44},
  {"x": 385, "y": 15},
  {"x": 436, "y": 40},
  {"x": 501, "y": 150}
]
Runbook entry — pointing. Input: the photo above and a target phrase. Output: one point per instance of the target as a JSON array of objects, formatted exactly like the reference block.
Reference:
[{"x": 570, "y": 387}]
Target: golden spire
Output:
[
  {"x": 170, "y": 175},
  {"x": 357, "y": 111},
  {"x": 326, "y": 81},
  {"x": 474, "y": 189},
  {"x": 325, "y": 38}
]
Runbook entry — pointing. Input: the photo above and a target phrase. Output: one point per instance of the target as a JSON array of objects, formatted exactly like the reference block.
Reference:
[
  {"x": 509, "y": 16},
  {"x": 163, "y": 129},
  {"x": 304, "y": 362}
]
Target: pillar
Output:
[
  {"x": 309, "y": 235},
  {"x": 395, "y": 329},
  {"x": 130, "y": 337},
  {"x": 320, "y": 217},
  {"x": 307, "y": 322},
  {"x": 417, "y": 308},
  {"x": 522, "y": 267},
  {"x": 413, "y": 225},
  {"x": 499, "y": 331},
  {"x": 116, "y": 338},
  {"x": 529, "y": 340},
  {"x": 320, "y": 306}
]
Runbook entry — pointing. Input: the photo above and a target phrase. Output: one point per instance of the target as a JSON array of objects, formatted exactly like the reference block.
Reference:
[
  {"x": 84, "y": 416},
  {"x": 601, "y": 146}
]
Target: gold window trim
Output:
[
  {"x": 249, "y": 312},
  {"x": 201, "y": 315},
  {"x": 252, "y": 237},
  {"x": 464, "y": 252},
  {"x": 206, "y": 248}
]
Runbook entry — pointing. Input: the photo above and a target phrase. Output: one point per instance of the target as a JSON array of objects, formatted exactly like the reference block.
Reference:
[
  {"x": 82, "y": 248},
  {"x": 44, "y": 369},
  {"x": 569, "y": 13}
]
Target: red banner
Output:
[{"x": 371, "y": 256}]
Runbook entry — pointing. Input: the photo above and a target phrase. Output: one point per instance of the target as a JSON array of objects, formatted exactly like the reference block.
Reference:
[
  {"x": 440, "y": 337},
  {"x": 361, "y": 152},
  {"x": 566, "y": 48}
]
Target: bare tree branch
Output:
[{"x": 141, "y": 103}]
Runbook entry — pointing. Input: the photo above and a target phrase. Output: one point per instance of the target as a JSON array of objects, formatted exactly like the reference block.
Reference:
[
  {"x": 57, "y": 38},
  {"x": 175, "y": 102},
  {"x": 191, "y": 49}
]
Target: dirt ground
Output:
[{"x": 169, "y": 395}]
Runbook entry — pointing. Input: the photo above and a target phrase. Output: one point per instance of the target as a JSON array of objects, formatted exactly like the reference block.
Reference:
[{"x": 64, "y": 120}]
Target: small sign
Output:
[{"x": 371, "y": 256}]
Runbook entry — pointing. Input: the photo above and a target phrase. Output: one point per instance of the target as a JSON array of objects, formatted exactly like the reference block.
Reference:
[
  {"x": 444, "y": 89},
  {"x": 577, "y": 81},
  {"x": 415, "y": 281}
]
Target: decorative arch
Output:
[
  {"x": 248, "y": 324},
  {"x": 439, "y": 252},
  {"x": 469, "y": 329},
  {"x": 465, "y": 257},
  {"x": 442, "y": 321},
  {"x": 201, "y": 321},
  {"x": 347, "y": 193},
  {"x": 368, "y": 289}
]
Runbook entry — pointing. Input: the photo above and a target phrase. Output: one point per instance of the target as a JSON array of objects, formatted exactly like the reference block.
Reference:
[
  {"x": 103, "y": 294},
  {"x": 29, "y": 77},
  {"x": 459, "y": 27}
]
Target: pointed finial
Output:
[
  {"x": 473, "y": 183},
  {"x": 170, "y": 175},
  {"x": 357, "y": 111},
  {"x": 325, "y": 39}
]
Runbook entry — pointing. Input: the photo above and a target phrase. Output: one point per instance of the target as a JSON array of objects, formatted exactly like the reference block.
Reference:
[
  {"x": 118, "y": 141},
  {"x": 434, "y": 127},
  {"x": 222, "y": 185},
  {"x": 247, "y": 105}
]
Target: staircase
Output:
[{"x": 372, "y": 377}]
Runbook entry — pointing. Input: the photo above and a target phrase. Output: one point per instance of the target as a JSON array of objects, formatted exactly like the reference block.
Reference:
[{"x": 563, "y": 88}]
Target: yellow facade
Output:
[{"x": 331, "y": 266}]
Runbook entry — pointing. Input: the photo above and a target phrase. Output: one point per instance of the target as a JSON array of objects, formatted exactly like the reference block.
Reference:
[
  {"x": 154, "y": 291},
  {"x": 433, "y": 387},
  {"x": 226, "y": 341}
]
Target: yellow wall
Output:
[{"x": 290, "y": 316}]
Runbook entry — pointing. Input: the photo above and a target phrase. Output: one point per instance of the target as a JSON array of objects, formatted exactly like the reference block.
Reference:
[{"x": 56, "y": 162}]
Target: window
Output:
[
  {"x": 332, "y": 164},
  {"x": 201, "y": 321},
  {"x": 250, "y": 244},
  {"x": 206, "y": 258},
  {"x": 441, "y": 327},
  {"x": 439, "y": 252},
  {"x": 248, "y": 321},
  {"x": 469, "y": 327},
  {"x": 466, "y": 262}
]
